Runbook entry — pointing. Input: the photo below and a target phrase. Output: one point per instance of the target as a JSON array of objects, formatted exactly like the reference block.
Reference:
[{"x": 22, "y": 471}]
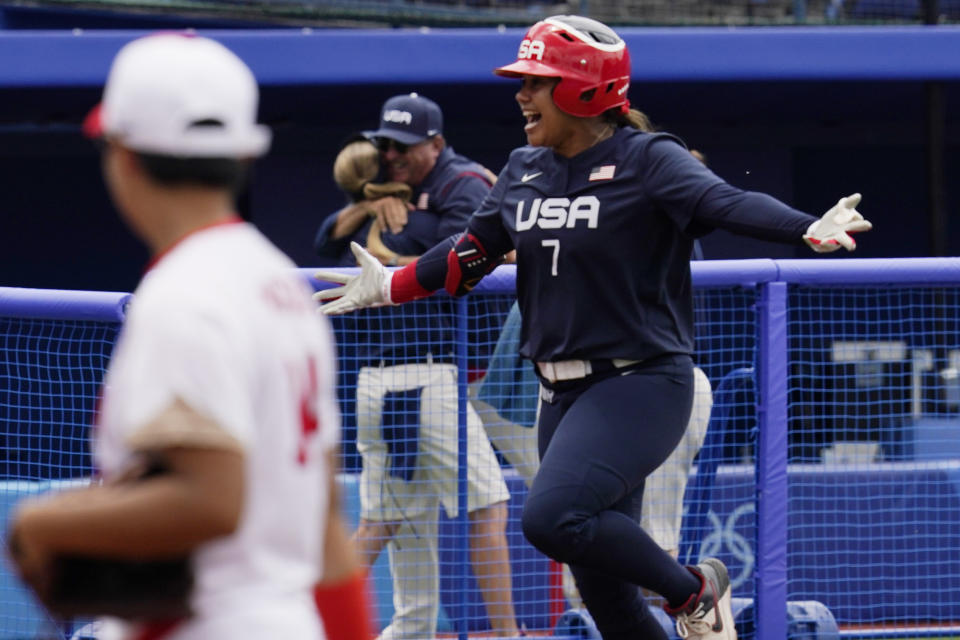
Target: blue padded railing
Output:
[{"x": 848, "y": 495}]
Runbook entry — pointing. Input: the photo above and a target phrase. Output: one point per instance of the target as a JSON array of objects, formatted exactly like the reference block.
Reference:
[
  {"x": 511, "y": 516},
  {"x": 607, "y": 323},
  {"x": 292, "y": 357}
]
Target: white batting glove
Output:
[
  {"x": 369, "y": 288},
  {"x": 831, "y": 232}
]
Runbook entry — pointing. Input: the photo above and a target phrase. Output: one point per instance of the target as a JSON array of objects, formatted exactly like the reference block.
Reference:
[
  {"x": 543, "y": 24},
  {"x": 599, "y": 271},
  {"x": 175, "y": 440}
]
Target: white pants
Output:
[
  {"x": 517, "y": 443},
  {"x": 414, "y": 566},
  {"x": 664, "y": 488},
  {"x": 414, "y": 503}
]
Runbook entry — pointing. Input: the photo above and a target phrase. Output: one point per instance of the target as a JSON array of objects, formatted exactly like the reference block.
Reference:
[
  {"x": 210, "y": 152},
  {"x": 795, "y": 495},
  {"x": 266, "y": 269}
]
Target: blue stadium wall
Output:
[{"x": 806, "y": 114}]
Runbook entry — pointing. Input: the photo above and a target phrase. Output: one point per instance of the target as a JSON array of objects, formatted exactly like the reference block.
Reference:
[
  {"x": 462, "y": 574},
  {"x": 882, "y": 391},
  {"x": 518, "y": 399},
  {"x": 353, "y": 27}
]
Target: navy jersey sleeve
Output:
[
  {"x": 460, "y": 197},
  {"x": 753, "y": 214},
  {"x": 431, "y": 267},
  {"x": 486, "y": 224},
  {"x": 324, "y": 244},
  {"x": 699, "y": 201},
  {"x": 674, "y": 179}
]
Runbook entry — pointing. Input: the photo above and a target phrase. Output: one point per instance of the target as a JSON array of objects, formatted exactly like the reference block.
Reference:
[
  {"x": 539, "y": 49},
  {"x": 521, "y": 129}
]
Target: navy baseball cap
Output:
[{"x": 408, "y": 119}]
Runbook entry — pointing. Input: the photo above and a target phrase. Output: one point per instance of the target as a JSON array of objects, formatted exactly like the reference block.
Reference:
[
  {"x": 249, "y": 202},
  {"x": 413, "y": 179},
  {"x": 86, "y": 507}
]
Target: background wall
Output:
[{"x": 806, "y": 114}]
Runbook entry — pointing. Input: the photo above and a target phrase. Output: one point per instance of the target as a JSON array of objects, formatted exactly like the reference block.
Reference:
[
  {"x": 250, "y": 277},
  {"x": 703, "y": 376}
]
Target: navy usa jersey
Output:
[{"x": 603, "y": 242}]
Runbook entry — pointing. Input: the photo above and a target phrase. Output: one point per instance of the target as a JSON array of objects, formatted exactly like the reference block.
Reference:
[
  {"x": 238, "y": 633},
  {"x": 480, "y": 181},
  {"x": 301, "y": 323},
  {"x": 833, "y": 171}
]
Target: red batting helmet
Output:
[{"x": 590, "y": 59}]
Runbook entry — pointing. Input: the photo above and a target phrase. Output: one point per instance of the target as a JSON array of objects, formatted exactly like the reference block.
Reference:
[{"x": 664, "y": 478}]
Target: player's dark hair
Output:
[
  {"x": 217, "y": 173},
  {"x": 635, "y": 119}
]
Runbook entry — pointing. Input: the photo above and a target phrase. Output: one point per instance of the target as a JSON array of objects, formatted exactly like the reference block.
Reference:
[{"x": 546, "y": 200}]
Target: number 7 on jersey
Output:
[{"x": 555, "y": 244}]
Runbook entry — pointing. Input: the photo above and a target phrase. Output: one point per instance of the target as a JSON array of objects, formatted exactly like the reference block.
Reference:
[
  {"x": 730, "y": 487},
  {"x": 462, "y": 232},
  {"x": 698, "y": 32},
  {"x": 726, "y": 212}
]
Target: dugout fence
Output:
[
  {"x": 830, "y": 473},
  {"x": 460, "y": 13}
]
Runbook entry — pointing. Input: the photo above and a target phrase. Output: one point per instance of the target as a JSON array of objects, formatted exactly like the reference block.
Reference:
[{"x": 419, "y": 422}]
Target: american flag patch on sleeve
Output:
[{"x": 602, "y": 173}]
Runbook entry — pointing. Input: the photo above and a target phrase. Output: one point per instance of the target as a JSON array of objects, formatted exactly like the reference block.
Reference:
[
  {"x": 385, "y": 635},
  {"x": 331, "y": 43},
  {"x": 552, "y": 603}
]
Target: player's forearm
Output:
[
  {"x": 342, "y": 595},
  {"x": 421, "y": 277},
  {"x": 456, "y": 264},
  {"x": 344, "y": 606},
  {"x": 340, "y": 559},
  {"x": 162, "y": 516},
  {"x": 349, "y": 219}
]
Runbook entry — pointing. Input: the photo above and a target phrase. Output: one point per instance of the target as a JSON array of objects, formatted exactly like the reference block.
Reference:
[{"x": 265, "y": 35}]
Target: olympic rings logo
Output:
[{"x": 725, "y": 539}]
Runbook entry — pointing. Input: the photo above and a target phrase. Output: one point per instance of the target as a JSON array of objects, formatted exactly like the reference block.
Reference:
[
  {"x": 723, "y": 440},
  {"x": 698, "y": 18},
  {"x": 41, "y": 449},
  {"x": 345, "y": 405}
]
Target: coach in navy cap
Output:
[
  {"x": 400, "y": 494},
  {"x": 408, "y": 119}
]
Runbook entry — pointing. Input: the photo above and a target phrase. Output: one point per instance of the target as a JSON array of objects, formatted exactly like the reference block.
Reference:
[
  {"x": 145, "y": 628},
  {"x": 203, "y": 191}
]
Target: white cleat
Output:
[{"x": 708, "y": 614}]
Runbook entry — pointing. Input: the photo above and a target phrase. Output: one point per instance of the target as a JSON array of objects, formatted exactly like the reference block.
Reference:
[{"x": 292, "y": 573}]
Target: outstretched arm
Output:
[
  {"x": 762, "y": 216},
  {"x": 698, "y": 200},
  {"x": 456, "y": 264}
]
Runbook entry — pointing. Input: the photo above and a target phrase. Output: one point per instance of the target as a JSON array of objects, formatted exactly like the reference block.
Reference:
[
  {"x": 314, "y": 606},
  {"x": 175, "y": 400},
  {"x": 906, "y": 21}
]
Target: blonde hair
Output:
[{"x": 356, "y": 164}]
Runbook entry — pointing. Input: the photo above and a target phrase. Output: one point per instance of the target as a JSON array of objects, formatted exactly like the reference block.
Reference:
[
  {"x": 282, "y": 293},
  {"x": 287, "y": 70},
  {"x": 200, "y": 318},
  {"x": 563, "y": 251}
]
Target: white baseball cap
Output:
[{"x": 180, "y": 95}]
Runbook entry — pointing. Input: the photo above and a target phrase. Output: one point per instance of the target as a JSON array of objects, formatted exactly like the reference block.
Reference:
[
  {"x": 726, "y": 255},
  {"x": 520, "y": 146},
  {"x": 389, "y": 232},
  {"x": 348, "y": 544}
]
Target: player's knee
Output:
[{"x": 553, "y": 529}]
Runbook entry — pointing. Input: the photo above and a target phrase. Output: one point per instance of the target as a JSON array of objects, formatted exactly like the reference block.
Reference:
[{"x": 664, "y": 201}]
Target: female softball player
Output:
[{"x": 603, "y": 217}]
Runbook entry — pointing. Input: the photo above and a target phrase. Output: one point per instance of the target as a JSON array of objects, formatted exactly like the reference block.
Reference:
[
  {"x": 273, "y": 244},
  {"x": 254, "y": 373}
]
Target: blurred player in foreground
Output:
[
  {"x": 406, "y": 387},
  {"x": 603, "y": 217},
  {"x": 221, "y": 381}
]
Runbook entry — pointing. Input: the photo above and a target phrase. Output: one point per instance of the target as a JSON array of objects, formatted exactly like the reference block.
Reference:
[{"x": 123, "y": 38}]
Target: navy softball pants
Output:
[{"x": 599, "y": 438}]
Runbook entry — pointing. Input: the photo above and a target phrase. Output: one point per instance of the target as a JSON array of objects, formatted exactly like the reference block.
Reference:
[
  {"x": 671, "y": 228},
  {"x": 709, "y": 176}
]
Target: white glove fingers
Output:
[
  {"x": 359, "y": 252},
  {"x": 847, "y": 242},
  {"x": 336, "y": 308},
  {"x": 851, "y": 201},
  {"x": 858, "y": 225},
  {"x": 328, "y": 294},
  {"x": 367, "y": 289},
  {"x": 365, "y": 259},
  {"x": 820, "y": 246},
  {"x": 831, "y": 231},
  {"x": 333, "y": 276}
]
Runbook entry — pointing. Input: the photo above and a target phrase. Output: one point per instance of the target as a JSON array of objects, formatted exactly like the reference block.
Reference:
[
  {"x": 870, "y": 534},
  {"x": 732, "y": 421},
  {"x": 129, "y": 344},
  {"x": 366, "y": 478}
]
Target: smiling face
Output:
[
  {"x": 547, "y": 125},
  {"x": 413, "y": 164}
]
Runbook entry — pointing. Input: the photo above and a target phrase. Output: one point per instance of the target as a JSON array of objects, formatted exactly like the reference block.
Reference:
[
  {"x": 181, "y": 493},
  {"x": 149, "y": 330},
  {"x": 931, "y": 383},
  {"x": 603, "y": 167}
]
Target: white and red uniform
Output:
[{"x": 223, "y": 323}]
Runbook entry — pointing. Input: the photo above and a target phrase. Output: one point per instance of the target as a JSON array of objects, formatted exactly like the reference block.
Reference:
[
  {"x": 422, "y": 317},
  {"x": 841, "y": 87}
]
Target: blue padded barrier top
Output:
[
  {"x": 714, "y": 273},
  {"x": 352, "y": 57},
  {"x": 870, "y": 272},
  {"x": 55, "y": 304}
]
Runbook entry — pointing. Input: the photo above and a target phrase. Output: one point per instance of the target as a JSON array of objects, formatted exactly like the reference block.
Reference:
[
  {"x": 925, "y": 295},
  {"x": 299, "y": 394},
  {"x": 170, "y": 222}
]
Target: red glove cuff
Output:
[{"x": 345, "y": 608}]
